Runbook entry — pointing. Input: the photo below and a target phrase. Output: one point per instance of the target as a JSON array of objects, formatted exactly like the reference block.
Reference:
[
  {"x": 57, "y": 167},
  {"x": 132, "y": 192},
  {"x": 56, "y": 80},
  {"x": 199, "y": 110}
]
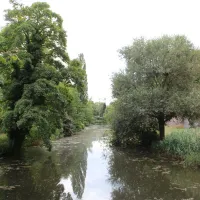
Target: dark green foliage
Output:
[
  {"x": 132, "y": 127},
  {"x": 33, "y": 41}
]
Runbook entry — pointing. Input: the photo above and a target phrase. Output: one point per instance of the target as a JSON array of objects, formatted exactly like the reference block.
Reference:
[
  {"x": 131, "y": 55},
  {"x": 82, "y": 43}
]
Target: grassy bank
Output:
[
  {"x": 170, "y": 129},
  {"x": 182, "y": 143}
]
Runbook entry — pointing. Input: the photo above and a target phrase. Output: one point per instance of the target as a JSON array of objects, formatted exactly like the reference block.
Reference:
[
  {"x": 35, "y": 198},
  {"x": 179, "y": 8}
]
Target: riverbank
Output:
[{"x": 181, "y": 145}]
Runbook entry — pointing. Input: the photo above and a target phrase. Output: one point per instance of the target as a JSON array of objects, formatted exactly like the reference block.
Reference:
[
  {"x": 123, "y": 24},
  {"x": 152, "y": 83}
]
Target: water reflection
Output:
[
  {"x": 73, "y": 166},
  {"x": 84, "y": 167},
  {"x": 143, "y": 178},
  {"x": 39, "y": 181},
  {"x": 59, "y": 175}
]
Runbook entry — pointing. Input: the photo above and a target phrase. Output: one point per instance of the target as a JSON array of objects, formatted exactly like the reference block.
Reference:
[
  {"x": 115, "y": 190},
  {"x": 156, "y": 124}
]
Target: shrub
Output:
[{"x": 134, "y": 130}]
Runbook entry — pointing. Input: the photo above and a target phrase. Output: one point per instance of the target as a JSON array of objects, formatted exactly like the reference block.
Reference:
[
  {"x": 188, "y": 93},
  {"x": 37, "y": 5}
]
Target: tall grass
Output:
[
  {"x": 170, "y": 129},
  {"x": 183, "y": 143}
]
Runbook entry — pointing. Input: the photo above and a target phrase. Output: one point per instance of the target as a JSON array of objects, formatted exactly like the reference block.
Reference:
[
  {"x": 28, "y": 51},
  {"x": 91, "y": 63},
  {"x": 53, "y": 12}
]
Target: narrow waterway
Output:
[{"x": 85, "y": 167}]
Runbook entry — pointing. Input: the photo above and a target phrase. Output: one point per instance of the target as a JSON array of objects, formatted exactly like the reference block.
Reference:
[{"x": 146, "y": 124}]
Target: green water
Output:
[{"x": 85, "y": 167}]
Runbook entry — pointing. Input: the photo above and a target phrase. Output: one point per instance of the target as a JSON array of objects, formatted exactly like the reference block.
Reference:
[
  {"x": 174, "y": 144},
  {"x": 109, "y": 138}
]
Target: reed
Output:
[{"x": 183, "y": 143}]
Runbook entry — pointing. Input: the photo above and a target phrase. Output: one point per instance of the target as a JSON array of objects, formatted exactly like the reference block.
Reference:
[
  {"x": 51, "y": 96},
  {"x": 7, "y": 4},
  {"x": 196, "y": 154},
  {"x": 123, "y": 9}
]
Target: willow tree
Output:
[
  {"x": 33, "y": 62},
  {"x": 159, "y": 82}
]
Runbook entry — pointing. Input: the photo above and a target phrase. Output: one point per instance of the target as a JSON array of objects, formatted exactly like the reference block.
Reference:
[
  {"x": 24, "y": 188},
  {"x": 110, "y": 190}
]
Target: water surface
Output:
[{"x": 85, "y": 167}]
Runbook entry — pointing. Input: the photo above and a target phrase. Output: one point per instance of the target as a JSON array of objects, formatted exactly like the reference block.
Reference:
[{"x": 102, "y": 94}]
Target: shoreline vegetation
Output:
[
  {"x": 30, "y": 142},
  {"x": 161, "y": 82},
  {"x": 182, "y": 145}
]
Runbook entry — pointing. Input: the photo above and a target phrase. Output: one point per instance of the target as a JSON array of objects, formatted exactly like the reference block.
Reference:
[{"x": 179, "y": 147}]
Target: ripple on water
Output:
[{"x": 85, "y": 167}]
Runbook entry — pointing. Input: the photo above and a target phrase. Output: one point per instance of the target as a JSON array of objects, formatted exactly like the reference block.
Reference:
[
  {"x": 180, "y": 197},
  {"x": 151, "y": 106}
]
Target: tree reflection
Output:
[
  {"x": 38, "y": 181},
  {"x": 74, "y": 167},
  {"x": 59, "y": 175},
  {"x": 73, "y": 159},
  {"x": 138, "y": 179}
]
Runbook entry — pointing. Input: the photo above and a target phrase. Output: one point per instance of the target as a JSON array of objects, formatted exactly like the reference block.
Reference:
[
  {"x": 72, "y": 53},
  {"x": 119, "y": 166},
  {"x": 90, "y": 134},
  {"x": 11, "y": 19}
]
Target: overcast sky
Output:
[{"x": 98, "y": 28}]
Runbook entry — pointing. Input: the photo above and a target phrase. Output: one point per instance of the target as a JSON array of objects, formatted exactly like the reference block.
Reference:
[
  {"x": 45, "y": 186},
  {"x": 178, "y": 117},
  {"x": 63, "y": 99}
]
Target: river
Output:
[{"x": 85, "y": 167}]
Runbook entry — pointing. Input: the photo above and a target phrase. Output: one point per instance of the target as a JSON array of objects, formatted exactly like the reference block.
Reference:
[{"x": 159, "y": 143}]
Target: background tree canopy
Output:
[{"x": 160, "y": 82}]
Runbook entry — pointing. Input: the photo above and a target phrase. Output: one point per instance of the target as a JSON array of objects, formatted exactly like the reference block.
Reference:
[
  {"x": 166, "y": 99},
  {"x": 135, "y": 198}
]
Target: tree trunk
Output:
[
  {"x": 15, "y": 144},
  {"x": 161, "y": 123}
]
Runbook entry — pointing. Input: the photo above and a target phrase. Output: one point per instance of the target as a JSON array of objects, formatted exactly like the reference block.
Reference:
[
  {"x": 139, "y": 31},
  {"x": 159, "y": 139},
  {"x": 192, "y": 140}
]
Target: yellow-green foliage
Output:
[
  {"x": 88, "y": 112},
  {"x": 109, "y": 113},
  {"x": 170, "y": 129},
  {"x": 80, "y": 112}
]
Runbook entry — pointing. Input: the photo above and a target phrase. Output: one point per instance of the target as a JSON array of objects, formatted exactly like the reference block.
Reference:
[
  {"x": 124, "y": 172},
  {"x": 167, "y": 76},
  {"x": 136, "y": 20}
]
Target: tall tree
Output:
[
  {"x": 33, "y": 61},
  {"x": 77, "y": 72},
  {"x": 82, "y": 60},
  {"x": 160, "y": 75}
]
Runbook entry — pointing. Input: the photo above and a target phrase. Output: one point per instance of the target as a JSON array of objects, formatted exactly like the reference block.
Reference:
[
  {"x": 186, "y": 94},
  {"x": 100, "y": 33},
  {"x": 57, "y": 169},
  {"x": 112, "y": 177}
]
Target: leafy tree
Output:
[
  {"x": 79, "y": 109},
  {"x": 33, "y": 61},
  {"x": 81, "y": 112},
  {"x": 161, "y": 74},
  {"x": 85, "y": 83},
  {"x": 78, "y": 75},
  {"x": 88, "y": 111},
  {"x": 109, "y": 113},
  {"x": 75, "y": 109},
  {"x": 99, "y": 109}
]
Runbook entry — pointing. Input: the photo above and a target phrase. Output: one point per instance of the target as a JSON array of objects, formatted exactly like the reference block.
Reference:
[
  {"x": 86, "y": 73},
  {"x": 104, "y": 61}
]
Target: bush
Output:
[
  {"x": 134, "y": 130},
  {"x": 184, "y": 144},
  {"x": 130, "y": 124}
]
